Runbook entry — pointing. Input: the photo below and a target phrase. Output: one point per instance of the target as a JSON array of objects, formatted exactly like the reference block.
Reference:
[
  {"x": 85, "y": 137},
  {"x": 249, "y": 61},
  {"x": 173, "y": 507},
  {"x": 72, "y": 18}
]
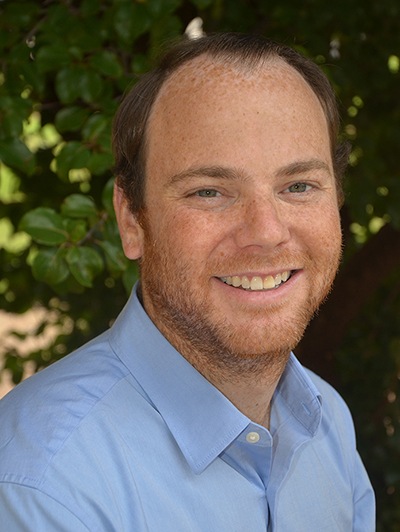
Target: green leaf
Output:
[
  {"x": 90, "y": 85},
  {"x": 107, "y": 63},
  {"x": 131, "y": 21},
  {"x": 15, "y": 154},
  {"x": 100, "y": 163},
  {"x": 104, "y": 141},
  {"x": 73, "y": 155},
  {"x": 76, "y": 228},
  {"x": 75, "y": 82},
  {"x": 90, "y": 7},
  {"x": 107, "y": 196},
  {"x": 202, "y": 4},
  {"x": 52, "y": 57},
  {"x": 11, "y": 122},
  {"x": 84, "y": 263},
  {"x": 14, "y": 364},
  {"x": 115, "y": 257},
  {"x": 140, "y": 64},
  {"x": 13, "y": 112},
  {"x": 19, "y": 14},
  {"x": 33, "y": 76},
  {"x": 78, "y": 206},
  {"x": 111, "y": 232},
  {"x": 44, "y": 225},
  {"x": 59, "y": 18},
  {"x": 50, "y": 266},
  {"x": 76, "y": 52},
  {"x": 165, "y": 29},
  {"x": 69, "y": 285},
  {"x": 160, "y": 8},
  {"x": 95, "y": 125},
  {"x": 67, "y": 84},
  {"x": 393, "y": 212},
  {"x": 71, "y": 118},
  {"x": 130, "y": 276}
]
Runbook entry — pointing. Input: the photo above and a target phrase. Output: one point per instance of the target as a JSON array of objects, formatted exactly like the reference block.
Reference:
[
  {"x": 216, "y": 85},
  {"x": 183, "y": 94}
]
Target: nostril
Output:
[{"x": 262, "y": 227}]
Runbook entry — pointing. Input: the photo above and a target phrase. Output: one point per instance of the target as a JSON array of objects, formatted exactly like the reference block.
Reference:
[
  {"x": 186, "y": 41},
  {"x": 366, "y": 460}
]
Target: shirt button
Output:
[{"x": 252, "y": 437}]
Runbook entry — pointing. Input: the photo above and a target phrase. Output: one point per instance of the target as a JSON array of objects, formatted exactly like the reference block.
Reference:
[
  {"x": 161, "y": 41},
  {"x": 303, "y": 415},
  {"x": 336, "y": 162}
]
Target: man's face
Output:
[{"x": 240, "y": 197}]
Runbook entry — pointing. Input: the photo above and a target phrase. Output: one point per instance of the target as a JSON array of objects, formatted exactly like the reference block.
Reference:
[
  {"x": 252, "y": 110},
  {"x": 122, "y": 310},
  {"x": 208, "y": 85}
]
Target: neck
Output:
[
  {"x": 250, "y": 391},
  {"x": 248, "y": 381}
]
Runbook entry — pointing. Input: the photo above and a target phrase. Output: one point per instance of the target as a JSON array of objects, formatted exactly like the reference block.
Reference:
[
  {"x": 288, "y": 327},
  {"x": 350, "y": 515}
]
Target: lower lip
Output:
[{"x": 261, "y": 295}]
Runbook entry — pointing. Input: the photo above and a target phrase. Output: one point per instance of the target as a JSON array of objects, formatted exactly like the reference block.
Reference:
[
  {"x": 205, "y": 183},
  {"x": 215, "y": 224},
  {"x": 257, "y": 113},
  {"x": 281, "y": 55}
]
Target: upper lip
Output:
[{"x": 258, "y": 274}]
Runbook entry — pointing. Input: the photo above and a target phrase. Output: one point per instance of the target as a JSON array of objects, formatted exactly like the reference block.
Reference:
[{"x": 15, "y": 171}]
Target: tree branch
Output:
[{"x": 91, "y": 231}]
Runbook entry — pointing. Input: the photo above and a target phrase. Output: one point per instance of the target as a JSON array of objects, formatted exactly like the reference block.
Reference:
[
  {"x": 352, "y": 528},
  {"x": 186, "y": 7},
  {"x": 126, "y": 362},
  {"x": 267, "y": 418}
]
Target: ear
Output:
[{"x": 131, "y": 232}]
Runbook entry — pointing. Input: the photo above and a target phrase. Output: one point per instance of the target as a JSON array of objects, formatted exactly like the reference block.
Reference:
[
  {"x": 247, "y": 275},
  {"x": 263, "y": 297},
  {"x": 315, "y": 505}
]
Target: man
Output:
[{"x": 191, "y": 414}]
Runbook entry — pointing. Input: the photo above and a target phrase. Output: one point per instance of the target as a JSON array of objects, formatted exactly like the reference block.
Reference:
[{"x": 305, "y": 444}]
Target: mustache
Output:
[{"x": 244, "y": 262}]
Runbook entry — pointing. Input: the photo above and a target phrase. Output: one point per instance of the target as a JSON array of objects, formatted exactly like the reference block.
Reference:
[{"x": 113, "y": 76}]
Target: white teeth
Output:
[
  {"x": 269, "y": 282},
  {"x": 257, "y": 283},
  {"x": 245, "y": 282},
  {"x": 236, "y": 281}
]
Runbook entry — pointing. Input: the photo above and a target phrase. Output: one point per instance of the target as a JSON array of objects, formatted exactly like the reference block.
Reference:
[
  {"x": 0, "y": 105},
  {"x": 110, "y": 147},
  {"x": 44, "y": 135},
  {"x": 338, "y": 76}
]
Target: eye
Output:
[
  {"x": 298, "y": 187},
  {"x": 208, "y": 193}
]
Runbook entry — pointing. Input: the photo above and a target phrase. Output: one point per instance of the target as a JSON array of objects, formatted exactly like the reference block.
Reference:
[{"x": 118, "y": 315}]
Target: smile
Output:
[{"x": 257, "y": 283}]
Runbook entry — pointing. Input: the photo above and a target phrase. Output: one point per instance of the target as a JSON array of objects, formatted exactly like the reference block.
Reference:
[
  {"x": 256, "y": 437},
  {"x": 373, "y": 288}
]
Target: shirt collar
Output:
[
  {"x": 301, "y": 396},
  {"x": 201, "y": 419}
]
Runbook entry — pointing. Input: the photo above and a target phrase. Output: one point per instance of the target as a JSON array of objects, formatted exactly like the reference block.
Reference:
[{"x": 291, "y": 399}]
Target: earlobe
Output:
[{"x": 130, "y": 230}]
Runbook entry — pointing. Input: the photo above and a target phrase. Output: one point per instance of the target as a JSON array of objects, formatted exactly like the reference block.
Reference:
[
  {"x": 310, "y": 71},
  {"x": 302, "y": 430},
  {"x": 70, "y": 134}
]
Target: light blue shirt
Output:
[{"x": 124, "y": 435}]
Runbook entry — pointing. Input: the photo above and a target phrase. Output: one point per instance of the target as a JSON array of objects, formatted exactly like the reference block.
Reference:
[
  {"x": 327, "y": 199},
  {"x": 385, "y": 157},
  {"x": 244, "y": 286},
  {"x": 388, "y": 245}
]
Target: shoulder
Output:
[{"x": 41, "y": 413}]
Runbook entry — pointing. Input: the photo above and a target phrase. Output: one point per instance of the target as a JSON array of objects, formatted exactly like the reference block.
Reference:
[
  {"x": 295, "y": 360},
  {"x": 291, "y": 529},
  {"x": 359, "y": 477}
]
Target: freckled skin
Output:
[{"x": 255, "y": 124}]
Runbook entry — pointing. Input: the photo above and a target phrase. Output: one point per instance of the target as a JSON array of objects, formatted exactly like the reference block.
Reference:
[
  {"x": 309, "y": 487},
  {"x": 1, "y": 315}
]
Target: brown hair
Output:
[{"x": 248, "y": 51}]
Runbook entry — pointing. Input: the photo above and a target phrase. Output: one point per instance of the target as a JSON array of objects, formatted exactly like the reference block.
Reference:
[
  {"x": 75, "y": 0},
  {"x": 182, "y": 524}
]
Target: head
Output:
[
  {"x": 236, "y": 222},
  {"x": 245, "y": 51}
]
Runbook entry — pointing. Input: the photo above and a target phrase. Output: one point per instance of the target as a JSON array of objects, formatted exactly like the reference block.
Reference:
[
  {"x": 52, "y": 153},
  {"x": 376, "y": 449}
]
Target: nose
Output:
[{"x": 262, "y": 224}]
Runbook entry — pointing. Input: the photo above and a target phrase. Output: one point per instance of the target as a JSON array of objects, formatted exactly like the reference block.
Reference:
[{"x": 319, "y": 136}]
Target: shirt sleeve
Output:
[
  {"x": 25, "y": 509},
  {"x": 364, "y": 500}
]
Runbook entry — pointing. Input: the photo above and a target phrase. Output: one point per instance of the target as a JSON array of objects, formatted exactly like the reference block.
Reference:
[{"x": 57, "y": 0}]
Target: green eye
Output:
[
  {"x": 299, "y": 187},
  {"x": 208, "y": 193}
]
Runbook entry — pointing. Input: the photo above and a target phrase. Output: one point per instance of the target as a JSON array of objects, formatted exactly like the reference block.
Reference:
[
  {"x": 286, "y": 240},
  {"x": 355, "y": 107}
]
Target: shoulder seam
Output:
[{"x": 80, "y": 420}]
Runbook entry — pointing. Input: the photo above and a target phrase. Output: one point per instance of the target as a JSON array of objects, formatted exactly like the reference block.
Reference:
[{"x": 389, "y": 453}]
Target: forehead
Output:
[
  {"x": 214, "y": 78},
  {"x": 208, "y": 101}
]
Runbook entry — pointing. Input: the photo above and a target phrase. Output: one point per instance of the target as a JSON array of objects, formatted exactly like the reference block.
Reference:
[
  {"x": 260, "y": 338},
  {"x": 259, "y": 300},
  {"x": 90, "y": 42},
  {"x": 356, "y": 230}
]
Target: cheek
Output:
[
  {"x": 328, "y": 235},
  {"x": 191, "y": 235},
  {"x": 320, "y": 232}
]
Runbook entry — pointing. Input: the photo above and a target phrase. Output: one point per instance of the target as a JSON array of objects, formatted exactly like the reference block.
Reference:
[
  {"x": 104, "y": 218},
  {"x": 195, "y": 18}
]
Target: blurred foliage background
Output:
[{"x": 65, "y": 65}]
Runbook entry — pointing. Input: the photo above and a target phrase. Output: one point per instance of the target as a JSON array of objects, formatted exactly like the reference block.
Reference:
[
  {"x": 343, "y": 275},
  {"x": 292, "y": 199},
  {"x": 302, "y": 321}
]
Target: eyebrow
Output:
[
  {"x": 217, "y": 172},
  {"x": 302, "y": 167},
  {"x": 221, "y": 172}
]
